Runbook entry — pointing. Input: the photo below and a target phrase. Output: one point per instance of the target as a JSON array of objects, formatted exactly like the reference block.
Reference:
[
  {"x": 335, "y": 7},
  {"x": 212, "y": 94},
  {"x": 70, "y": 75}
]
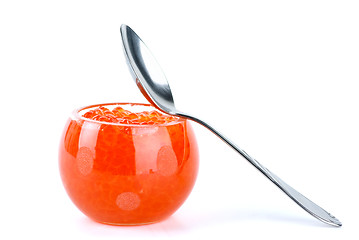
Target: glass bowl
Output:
[{"x": 127, "y": 174}]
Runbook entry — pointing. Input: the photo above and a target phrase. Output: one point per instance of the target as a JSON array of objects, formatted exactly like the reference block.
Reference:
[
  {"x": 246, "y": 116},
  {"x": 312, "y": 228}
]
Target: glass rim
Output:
[{"x": 76, "y": 114}]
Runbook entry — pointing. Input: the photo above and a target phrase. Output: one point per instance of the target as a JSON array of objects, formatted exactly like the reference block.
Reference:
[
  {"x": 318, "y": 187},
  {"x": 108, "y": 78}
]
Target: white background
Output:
[{"x": 279, "y": 78}]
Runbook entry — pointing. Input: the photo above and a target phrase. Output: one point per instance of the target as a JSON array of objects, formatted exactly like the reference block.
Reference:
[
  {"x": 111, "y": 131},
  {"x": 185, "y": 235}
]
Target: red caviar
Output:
[
  {"x": 120, "y": 115},
  {"x": 127, "y": 167}
]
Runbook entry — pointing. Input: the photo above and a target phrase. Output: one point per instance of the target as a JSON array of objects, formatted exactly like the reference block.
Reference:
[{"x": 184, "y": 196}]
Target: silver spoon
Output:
[{"x": 154, "y": 86}]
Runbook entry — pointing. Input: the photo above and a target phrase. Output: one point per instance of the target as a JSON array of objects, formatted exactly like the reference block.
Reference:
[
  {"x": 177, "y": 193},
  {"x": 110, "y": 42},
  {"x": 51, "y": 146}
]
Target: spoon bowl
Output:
[
  {"x": 153, "y": 84},
  {"x": 146, "y": 72}
]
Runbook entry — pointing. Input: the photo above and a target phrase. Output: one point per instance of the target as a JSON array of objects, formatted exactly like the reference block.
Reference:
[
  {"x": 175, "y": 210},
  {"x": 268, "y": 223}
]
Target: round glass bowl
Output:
[{"x": 127, "y": 174}]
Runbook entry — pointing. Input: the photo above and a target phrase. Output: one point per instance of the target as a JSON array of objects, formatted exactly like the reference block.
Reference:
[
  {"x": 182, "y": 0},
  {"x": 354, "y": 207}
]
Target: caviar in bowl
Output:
[{"x": 126, "y": 163}]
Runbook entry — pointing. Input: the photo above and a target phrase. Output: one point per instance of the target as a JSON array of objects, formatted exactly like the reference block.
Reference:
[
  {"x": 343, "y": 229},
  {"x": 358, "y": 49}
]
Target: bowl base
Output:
[{"x": 129, "y": 224}]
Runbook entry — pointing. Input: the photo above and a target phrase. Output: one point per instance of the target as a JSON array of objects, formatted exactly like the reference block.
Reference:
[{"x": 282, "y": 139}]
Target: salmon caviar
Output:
[
  {"x": 124, "y": 174},
  {"x": 122, "y": 116}
]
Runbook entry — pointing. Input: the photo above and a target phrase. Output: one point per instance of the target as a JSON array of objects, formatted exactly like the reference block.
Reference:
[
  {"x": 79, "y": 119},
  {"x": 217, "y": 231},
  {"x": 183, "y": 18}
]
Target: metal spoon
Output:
[{"x": 154, "y": 86}]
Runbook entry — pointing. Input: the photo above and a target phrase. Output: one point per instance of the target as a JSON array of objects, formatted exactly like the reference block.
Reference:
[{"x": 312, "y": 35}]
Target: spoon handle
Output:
[{"x": 297, "y": 197}]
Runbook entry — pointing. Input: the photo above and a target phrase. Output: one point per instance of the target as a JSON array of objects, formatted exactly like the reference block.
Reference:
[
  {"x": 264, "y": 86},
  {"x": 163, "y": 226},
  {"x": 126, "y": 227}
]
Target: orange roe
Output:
[
  {"x": 122, "y": 116},
  {"x": 127, "y": 174}
]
